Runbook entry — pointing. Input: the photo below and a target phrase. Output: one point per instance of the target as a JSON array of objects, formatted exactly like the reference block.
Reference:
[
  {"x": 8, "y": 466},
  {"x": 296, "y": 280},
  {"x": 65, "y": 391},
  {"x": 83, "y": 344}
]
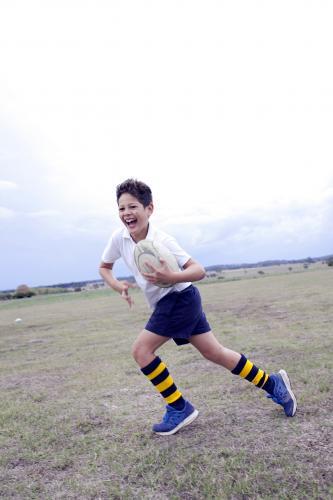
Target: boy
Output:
[{"x": 177, "y": 312}]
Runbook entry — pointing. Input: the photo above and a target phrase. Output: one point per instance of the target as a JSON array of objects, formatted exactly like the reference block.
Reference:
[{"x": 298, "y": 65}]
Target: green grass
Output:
[{"x": 75, "y": 412}]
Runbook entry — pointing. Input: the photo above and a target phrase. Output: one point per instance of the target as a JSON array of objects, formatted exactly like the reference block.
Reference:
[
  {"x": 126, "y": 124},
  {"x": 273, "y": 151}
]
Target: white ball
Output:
[
  {"x": 18, "y": 320},
  {"x": 148, "y": 251}
]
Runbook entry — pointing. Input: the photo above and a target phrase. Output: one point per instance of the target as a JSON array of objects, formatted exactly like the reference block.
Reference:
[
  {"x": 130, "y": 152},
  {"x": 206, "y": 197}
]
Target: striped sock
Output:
[
  {"x": 246, "y": 369},
  {"x": 159, "y": 375}
]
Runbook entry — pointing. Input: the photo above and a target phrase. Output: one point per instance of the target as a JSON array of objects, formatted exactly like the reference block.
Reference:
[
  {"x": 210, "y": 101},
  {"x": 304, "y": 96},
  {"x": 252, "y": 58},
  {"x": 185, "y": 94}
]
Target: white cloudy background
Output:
[{"x": 224, "y": 107}]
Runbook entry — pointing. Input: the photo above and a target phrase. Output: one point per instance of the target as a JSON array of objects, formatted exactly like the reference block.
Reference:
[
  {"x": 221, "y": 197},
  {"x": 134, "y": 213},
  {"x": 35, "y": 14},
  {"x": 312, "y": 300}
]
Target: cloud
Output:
[
  {"x": 7, "y": 185},
  {"x": 6, "y": 213},
  {"x": 285, "y": 230},
  {"x": 238, "y": 153},
  {"x": 43, "y": 213}
]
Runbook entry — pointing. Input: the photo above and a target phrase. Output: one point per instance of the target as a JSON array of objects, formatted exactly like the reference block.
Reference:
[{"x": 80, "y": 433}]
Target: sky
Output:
[{"x": 225, "y": 108}]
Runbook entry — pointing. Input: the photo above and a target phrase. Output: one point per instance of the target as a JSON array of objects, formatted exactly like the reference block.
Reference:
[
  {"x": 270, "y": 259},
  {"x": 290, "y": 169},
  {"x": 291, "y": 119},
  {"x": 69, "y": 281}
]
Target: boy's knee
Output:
[
  {"x": 140, "y": 354},
  {"x": 136, "y": 351},
  {"x": 213, "y": 353},
  {"x": 209, "y": 354}
]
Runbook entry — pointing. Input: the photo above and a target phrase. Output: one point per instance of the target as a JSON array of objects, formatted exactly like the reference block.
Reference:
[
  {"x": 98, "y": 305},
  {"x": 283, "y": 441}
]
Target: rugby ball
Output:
[{"x": 150, "y": 252}]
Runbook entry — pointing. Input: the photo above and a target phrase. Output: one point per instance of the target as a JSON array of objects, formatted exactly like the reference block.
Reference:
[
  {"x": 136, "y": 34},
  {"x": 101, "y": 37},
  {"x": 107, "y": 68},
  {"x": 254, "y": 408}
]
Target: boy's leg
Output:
[
  {"x": 277, "y": 385},
  {"x": 179, "y": 412},
  {"x": 145, "y": 345},
  {"x": 210, "y": 348}
]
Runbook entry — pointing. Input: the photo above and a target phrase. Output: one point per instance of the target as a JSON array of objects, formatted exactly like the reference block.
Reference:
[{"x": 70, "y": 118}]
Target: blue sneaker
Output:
[
  {"x": 174, "y": 420},
  {"x": 283, "y": 395}
]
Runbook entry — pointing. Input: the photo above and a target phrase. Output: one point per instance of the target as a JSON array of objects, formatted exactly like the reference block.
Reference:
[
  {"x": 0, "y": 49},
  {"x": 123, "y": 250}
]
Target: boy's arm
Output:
[
  {"x": 192, "y": 271},
  {"x": 105, "y": 270}
]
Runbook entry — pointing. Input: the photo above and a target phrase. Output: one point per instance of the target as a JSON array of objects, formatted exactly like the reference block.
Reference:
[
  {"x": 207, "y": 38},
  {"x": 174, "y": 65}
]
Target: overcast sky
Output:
[{"x": 224, "y": 107}]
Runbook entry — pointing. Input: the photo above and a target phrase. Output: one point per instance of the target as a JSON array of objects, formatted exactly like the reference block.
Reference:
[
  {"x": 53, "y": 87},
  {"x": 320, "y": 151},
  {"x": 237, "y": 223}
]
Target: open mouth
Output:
[{"x": 130, "y": 223}]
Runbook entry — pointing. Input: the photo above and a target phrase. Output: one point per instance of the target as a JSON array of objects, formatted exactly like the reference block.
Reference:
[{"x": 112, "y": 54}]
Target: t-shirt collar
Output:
[{"x": 150, "y": 234}]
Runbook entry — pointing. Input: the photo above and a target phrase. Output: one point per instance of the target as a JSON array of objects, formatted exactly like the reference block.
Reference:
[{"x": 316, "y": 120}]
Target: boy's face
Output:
[{"x": 134, "y": 216}]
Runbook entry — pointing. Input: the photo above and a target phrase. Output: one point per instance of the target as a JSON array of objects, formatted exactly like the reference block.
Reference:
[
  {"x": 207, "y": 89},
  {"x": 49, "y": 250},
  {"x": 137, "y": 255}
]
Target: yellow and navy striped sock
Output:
[
  {"x": 159, "y": 375},
  {"x": 246, "y": 369}
]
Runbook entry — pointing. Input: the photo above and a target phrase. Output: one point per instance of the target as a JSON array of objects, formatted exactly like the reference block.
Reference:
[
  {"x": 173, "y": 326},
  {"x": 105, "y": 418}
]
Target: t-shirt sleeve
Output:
[
  {"x": 174, "y": 247},
  {"x": 112, "y": 250}
]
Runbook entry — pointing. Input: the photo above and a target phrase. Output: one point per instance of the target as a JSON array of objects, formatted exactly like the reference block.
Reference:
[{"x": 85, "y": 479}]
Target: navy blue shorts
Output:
[{"x": 179, "y": 315}]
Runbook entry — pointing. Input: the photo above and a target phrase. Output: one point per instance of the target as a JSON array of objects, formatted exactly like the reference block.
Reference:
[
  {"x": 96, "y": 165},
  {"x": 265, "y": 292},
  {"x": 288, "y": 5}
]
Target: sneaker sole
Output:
[
  {"x": 185, "y": 422},
  {"x": 286, "y": 380}
]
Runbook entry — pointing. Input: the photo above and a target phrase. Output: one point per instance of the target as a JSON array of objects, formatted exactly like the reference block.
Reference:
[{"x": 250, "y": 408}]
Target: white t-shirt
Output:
[{"x": 121, "y": 245}]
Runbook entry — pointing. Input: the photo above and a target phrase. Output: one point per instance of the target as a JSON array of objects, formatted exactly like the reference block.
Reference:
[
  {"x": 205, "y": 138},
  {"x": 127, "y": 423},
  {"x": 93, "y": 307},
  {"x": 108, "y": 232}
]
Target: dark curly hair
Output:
[{"x": 136, "y": 188}]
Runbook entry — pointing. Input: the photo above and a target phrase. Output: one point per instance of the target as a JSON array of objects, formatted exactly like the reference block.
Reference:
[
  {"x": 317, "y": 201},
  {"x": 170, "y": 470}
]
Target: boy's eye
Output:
[{"x": 132, "y": 207}]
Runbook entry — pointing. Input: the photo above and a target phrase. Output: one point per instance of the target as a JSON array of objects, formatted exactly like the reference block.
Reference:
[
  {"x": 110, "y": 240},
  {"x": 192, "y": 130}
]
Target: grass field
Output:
[{"x": 76, "y": 414}]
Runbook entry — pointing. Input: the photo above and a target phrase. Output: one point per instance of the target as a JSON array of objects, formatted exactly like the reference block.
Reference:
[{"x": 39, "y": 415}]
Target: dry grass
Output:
[{"x": 76, "y": 413}]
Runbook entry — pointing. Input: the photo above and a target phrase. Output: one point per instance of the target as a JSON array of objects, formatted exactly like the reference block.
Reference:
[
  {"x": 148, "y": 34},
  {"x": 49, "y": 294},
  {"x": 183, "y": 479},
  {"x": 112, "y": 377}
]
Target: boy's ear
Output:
[{"x": 150, "y": 208}]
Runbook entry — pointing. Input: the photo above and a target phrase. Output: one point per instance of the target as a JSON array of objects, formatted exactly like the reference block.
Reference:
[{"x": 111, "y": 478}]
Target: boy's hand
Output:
[
  {"x": 160, "y": 275},
  {"x": 125, "y": 285}
]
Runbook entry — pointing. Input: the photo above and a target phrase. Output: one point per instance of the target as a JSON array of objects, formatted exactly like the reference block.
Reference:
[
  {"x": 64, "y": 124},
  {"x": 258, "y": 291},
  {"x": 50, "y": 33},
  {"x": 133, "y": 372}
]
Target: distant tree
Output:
[
  {"x": 5, "y": 296},
  {"x": 49, "y": 290},
  {"x": 23, "y": 291},
  {"x": 330, "y": 261}
]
